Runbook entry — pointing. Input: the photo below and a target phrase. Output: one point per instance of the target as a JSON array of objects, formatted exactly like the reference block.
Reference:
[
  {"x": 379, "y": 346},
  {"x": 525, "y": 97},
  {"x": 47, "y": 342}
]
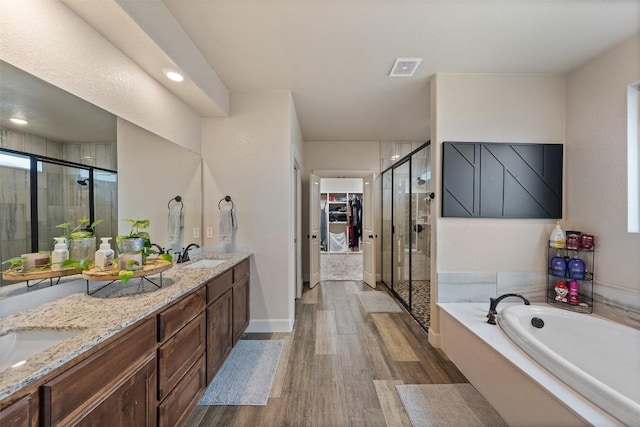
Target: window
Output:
[{"x": 633, "y": 156}]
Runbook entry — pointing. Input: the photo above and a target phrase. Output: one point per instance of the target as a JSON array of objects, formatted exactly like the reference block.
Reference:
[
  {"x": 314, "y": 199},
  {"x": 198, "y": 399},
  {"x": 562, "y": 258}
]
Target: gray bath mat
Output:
[
  {"x": 378, "y": 302},
  {"x": 447, "y": 405},
  {"x": 246, "y": 377}
]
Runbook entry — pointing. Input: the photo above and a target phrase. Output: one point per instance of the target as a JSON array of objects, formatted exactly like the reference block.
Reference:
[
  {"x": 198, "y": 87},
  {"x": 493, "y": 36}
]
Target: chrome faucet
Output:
[
  {"x": 494, "y": 305},
  {"x": 184, "y": 256}
]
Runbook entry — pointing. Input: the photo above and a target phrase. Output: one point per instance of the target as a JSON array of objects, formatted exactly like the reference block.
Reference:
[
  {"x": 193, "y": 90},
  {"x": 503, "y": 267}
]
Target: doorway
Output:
[{"x": 341, "y": 215}]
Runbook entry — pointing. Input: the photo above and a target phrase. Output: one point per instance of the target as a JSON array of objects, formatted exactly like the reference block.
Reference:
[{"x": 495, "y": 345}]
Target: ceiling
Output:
[{"x": 335, "y": 56}]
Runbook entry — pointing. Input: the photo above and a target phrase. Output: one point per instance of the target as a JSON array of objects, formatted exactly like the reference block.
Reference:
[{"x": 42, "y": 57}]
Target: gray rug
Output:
[
  {"x": 378, "y": 302},
  {"x": 246, "y": 377},
  {"x": 447, "y": 405},
  {"x": 347, "y": 266}
]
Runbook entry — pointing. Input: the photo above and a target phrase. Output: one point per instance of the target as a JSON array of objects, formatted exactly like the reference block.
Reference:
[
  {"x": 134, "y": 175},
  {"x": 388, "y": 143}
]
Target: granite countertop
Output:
[{"x": 97, "y": 319}]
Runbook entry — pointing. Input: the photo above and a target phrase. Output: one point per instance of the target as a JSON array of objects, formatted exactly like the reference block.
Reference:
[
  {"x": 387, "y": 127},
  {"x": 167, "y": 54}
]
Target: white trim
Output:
[
  {"x": 270, "y": 325},
  {"x": 633, "y": 157}
]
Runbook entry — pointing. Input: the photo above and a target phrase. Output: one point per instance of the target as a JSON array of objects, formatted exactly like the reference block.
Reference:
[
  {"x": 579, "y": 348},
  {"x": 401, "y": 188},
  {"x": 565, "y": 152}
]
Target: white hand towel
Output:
[
  {"x": 227, "y": 219},
  {"x": 175, "y": 223}
]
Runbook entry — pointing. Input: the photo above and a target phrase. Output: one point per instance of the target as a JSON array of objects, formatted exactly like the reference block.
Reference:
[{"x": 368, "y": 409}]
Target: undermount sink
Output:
[
  {"x": 206, "y": 263},
  {"x": 19, "y": 345}
]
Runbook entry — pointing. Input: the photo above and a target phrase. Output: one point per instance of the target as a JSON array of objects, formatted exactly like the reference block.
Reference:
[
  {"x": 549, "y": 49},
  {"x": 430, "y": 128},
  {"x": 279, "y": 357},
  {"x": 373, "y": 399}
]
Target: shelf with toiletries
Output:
[{"x": 570, "y": 274}]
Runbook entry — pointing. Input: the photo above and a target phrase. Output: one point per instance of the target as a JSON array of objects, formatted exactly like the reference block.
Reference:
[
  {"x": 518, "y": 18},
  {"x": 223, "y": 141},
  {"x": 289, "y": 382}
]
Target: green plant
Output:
[
  {"x": 82, "y": 230},
  {"x": 136, "y": 226}
]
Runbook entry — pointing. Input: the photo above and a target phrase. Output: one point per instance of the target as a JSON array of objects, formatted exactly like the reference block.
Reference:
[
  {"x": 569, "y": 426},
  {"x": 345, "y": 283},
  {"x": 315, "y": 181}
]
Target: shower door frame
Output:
[
  {"x": 33, "y": 186},
  {"x": 401, "y": 162}
]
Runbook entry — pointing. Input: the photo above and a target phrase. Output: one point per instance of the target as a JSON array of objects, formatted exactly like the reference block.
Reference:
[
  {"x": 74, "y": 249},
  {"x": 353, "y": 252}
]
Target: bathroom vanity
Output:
[{"x": 142, "y": 360}]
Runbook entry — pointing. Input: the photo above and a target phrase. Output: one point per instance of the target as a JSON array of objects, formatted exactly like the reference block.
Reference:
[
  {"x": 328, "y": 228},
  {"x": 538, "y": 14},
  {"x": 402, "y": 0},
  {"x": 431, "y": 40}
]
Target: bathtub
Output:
[{"x": 598, "y": 358}]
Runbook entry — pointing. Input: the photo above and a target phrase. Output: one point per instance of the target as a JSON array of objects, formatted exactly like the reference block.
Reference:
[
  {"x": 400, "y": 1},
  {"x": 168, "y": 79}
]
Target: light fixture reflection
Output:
[{"x": 18, "y": 121}]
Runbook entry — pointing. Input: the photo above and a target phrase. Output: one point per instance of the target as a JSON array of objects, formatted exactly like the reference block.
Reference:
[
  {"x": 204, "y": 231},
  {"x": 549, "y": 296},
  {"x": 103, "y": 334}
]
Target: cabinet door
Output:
[
  {"x": 131, "y": 403},
  {"x": 177, "y": 355},
  {"x": 240, "y": 308},
  {"x": 22, "y": 413},
  {"x": 219, "y": 333}
]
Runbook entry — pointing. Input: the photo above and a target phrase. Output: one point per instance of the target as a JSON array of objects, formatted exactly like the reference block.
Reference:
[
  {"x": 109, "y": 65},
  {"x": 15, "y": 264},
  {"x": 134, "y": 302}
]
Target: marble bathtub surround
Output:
[
  {"x": 98, "y": 319},
  {"x": 615, "y": 303}
]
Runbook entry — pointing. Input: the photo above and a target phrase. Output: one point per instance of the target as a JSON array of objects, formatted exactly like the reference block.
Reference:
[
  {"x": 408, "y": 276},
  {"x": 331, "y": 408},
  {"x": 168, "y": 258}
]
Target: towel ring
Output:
[
  {"x": 225, "y": 199},
  {"x": 176, "y": 199}
]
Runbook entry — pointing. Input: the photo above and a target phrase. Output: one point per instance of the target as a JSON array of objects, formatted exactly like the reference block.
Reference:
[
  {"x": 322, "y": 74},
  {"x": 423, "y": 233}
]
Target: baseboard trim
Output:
[
  {"x": 270, "y": 325},
  {"x": 434, "y": 339}
]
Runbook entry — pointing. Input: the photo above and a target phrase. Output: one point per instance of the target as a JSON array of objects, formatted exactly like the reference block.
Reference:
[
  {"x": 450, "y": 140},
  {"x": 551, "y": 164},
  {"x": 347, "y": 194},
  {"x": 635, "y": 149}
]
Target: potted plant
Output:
[
  {"x": 134, "y": 248},
  {"x": 81, "y": 239}
]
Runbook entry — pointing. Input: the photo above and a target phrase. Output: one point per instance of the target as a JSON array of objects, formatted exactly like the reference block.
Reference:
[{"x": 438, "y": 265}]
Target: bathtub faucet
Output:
[{"x": 494, "y": 305}]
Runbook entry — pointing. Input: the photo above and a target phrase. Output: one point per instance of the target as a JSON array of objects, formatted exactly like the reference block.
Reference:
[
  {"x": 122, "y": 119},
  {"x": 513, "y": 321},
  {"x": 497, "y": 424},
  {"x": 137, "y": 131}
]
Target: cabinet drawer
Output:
[
  {"x": 178, "y": 354},
  {"x": 177, "y": 406},
  {"x": 240, "y": 271},
  {"x": 180, "y": 313},
  {"x": 219, "y": 286},
  {"x": 68, "y": 392}
]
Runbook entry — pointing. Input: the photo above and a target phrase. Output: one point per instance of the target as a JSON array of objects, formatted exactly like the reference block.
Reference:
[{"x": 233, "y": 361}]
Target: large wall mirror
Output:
[{"x": 85, "y": 163}]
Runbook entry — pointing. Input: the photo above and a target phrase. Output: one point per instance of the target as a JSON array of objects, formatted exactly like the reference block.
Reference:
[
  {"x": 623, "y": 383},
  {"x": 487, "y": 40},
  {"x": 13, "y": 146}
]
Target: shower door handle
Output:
[{"x": 371, "y": 236}]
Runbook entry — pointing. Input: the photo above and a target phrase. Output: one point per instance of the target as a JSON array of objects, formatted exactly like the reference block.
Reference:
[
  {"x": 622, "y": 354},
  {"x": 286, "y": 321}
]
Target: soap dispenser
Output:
[
  {"x": 104, "y": 255},
  {"x": 60, "y": 253},
  {"x": 576, "y": 268},
  {"x": 558, "y": 265},
  {"x": 557, "y": 237}
]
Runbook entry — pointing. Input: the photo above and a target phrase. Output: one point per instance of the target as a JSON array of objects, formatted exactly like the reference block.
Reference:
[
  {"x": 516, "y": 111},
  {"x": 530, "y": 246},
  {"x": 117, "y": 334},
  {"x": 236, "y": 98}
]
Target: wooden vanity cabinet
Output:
[
  {"x": 241, "y": 307},
  {"x": 219, "y": 322},
  {"x": 118, "y": 374},
  {"x": 181, "y": 357},
  {"x": 23, "y": 413}
]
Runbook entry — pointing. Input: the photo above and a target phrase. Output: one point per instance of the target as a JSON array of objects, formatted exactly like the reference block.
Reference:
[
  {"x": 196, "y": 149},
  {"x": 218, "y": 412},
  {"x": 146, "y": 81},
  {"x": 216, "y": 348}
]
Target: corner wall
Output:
[
  {"x": 248, "y": 157},
  {"x": 475, "y": 259},
  {"x": 597, "y": 174}
]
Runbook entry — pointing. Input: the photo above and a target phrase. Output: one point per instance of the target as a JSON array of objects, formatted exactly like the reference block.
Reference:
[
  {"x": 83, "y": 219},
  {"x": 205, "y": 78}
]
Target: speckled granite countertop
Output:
[{"x": 98, "y": 319}]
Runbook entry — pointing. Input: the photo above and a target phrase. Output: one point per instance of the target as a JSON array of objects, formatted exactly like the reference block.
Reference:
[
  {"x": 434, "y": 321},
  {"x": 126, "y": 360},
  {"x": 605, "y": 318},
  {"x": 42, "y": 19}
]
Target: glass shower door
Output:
[
  {"x": 387, "y": 227},
  {"x": 402, "y": 232}
]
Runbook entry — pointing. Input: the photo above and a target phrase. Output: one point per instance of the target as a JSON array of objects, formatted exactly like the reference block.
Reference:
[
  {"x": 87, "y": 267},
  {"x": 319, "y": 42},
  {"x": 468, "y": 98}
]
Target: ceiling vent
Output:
[{"x": 404, "y": 67}]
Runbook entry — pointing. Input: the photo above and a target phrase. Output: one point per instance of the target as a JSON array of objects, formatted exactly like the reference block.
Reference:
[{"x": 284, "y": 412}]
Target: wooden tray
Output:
[
  {"x": 40, "y": 274},
  {"x": 150, "y": 267}
]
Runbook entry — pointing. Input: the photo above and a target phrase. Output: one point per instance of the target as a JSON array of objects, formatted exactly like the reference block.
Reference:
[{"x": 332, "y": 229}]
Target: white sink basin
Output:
[
  {"x": 19, "y": 345},
  {"x": 206, "y": 263}
]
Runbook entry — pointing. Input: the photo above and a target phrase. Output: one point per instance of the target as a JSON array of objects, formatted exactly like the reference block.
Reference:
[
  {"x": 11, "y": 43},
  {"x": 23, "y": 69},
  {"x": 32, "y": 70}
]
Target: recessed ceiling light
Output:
[
  {"x": 18, "y": 121},
  {"x": 173, "y": 75},
  {"x": 405, "y": 67}
]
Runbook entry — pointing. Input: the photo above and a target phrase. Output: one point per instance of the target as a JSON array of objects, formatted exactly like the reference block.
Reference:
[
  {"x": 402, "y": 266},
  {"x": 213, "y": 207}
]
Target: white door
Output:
[
  {"x": 368, "y": 240},
  {"x": 314, "y": 230}
]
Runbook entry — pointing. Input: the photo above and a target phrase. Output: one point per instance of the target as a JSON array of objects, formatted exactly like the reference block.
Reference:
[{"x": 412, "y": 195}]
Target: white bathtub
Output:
[{"x": 598, "y": 358}]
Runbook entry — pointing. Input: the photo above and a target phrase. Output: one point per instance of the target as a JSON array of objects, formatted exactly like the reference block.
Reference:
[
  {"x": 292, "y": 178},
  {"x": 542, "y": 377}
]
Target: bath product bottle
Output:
[
  {"x": 104, "y": 255},
  {"x": 576, "y": 268},
  {"x": 574, "y": 290},
  {"x": 557, "y": 237},
  {"x": 558, "y": 265},
  {"x": 59, "y": 254}
]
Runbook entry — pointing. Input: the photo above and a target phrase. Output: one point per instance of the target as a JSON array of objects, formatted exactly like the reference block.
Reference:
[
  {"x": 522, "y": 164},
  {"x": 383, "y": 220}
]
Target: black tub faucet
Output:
[
  {"x": 494, "y": 305},
  {"x": 184, "y": 256}
]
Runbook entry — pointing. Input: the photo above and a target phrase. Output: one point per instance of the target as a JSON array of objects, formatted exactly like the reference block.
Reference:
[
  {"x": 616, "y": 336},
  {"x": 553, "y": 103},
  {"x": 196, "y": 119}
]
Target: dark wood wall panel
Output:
[{"x": 502, "y": 180}]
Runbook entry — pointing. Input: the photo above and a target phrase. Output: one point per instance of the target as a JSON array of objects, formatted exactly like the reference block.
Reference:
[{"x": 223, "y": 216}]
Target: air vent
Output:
[{"x": 404, "y": 67}]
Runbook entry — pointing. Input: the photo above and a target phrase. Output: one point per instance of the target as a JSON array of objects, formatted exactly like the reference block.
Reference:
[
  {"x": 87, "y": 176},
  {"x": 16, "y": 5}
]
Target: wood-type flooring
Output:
[{"x": 340, "y": 366}]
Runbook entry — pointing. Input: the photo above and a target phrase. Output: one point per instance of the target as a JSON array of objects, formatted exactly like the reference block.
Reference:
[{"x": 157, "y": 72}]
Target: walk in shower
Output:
[{"x": 406, "y": 232}]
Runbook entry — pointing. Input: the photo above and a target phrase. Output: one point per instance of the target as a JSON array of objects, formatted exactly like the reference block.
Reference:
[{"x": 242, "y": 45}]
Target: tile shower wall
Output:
[{"x": 60, "y": 198}]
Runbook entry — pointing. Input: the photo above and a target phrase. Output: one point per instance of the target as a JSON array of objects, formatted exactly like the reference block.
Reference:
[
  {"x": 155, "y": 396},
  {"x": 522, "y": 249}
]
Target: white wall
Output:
[
  {"x": 48, "y": 40},
  {"x": 491, "y": 108},
  {"x": 248, "y": 157},
  {"x": 596, "y": 161},
  {"x": 152, "y": 171}
]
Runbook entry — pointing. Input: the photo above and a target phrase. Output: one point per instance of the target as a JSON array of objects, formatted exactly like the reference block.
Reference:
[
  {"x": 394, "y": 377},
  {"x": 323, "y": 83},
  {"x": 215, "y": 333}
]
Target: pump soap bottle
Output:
[
  {"x": 60, "y": 253},
  {"x": 104, "y": 255},
  {"x": 557, "y": 237}
]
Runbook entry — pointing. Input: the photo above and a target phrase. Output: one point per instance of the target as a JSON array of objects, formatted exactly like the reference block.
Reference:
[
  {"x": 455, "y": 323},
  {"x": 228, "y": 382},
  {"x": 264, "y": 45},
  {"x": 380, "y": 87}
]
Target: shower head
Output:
[
  {"x": 83, "y": 182},
  {"x": 421, "y": 181}
]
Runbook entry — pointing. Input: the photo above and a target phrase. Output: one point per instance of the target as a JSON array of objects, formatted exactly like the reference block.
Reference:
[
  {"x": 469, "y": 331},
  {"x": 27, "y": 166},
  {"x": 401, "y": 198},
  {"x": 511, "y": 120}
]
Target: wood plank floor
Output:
[{"x": 340, "y": 366}]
